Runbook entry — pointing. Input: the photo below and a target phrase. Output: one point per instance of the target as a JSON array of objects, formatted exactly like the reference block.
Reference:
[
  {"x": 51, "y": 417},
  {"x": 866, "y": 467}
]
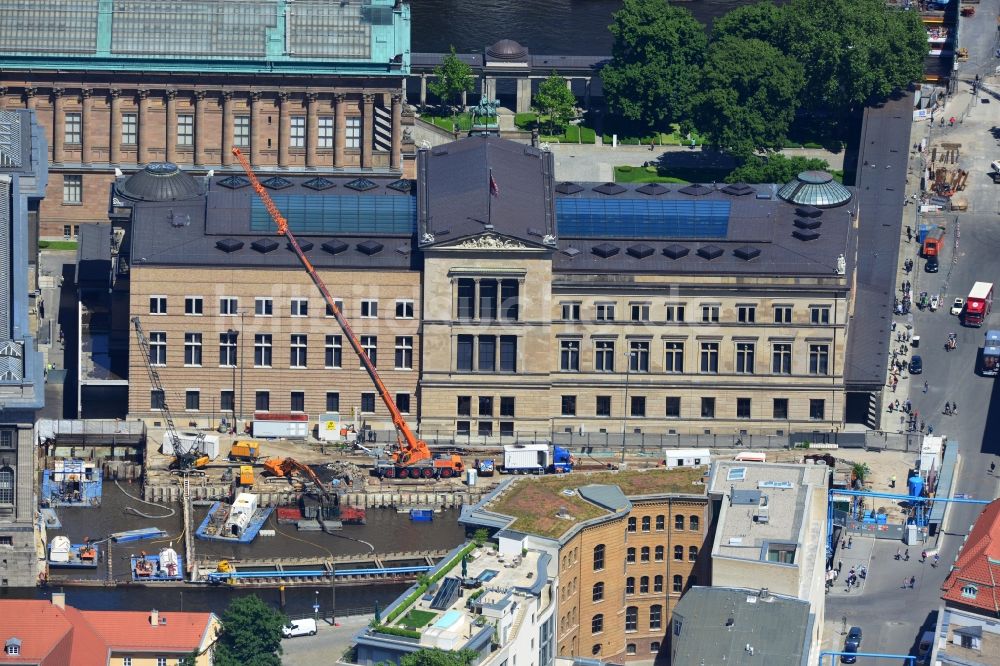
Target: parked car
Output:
[
  {"x": 851, "y": 646},
  {"x": 958, "y": 306},
  {"x": 916, "y": 365},
  {"x": 306, "y": 627},
  {"x": 932, "y": 264}
]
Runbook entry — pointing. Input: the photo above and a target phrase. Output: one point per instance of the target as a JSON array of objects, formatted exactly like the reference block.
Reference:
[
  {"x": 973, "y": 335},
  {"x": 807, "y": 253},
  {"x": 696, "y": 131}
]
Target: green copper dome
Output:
[{"x": 815, "y": 188}]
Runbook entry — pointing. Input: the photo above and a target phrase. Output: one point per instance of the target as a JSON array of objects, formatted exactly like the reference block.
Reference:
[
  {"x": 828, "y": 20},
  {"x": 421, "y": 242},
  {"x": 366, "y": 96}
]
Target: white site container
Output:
[
  {"x": 209, "y": 446},
  {"x": 329, "y": 427}
]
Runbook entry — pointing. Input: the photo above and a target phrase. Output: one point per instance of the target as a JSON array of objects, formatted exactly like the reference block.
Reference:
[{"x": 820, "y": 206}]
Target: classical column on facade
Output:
[
  {"x": 200, "y": 128},
  {"x": 87, "y": 136},
  {"x": 115, "y": 138},
  {"x": 284, "y": 129},
  {"x": 256, "y": 136},
  {"x": 367, "y": 129},
  {"x": 145, "y": 129},
  {"x": 227, "y": 128},
  {"x": 396, "y": 154},
  {"x": 29, "y": 98},
  {"x": 3, "y": 98},
  {"x": 312, "y": 130},
  {"x": 171, "y": 124},
  {"x": 586, "y": 93},
  {"x": 58, "y": 125},
  {"x": 339, "y": 129},
  {"x": 423, "y": 91}
]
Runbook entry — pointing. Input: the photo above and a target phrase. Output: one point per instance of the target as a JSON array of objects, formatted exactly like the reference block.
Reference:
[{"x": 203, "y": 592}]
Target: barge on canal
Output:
[
  {"x": 165, "y": 566},
  {"x": 138, "y": 535},
  {"x": 238, "y": 523},
  {"x": 63, "y": 554}
]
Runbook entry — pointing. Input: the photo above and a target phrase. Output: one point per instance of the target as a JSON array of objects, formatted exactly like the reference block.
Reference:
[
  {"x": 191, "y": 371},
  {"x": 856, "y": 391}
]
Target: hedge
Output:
[
  {"x": 397, "y": 631},
  {"x": 441, "y": 573}
]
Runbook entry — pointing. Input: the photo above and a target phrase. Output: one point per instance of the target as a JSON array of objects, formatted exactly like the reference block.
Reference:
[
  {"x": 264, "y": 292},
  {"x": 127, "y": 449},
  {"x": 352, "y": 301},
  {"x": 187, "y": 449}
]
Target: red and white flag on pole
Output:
[{"x": 494, "y": 188}]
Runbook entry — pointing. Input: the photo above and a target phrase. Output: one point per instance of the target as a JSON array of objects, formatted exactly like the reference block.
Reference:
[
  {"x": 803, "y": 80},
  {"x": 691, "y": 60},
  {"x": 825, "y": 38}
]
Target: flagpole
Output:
[{"x": 489, "y": 193}]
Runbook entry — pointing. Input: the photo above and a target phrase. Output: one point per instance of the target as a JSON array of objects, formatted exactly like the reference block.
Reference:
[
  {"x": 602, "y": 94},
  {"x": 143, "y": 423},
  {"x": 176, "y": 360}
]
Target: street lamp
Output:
[{"x": 233, "y": 336}]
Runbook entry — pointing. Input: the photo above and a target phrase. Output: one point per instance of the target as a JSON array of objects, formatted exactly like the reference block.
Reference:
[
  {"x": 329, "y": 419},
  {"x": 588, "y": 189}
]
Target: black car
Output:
[
  {"x": 916, "y": 367},
  {"x": 932, "y": 264},
  {"x": 851, "y": 646}
]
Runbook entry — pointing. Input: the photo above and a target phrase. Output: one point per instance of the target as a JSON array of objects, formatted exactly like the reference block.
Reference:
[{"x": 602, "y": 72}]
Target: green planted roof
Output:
[{"x": 304, "y": 36}]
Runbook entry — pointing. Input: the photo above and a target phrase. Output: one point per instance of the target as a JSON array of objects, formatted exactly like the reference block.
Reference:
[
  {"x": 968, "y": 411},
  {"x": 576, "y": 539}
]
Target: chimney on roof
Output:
[
  {"x": 59, "y": 599},
  {"x": 154, "y": 617}
]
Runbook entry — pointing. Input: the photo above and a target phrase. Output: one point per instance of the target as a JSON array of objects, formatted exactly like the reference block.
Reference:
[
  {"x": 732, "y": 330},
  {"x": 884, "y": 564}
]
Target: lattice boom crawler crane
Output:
[{"x": 410, "y": 457}]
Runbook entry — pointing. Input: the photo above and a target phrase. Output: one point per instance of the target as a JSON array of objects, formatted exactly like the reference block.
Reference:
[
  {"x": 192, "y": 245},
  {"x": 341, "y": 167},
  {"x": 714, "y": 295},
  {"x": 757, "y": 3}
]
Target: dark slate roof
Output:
[
  {"x": 717, "y": 623},
  {"x": 455, "y": 199},
  {"x": 217, "y": 229},
  {"x": 93, "y": 255},
  {"x": 885, "y": 141}
]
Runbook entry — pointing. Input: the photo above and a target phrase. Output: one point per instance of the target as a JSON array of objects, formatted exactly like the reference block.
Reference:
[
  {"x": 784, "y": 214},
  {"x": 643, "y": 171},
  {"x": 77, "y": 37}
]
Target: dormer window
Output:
[
  {"x": 970, "y": 591},
  {"x": 12, "y": 647}
]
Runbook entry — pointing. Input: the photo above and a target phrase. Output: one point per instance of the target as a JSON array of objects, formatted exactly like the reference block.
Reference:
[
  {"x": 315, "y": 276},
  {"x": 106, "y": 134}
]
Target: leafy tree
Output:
[
  {"x": 655, "y": 62},
  {"x": 451, "y": 78},
  {"x": 251, "y": 634},
  {"x": 774, "y": 169},
  {"x": 761, "y": 20},
  {"x": 855, "y": 52},
  {"x": 556, "y": 100},
  {"x": 748, "y": 96},
  {"x": 481, "y": 536},
  {"x": 436, "y": 657}
]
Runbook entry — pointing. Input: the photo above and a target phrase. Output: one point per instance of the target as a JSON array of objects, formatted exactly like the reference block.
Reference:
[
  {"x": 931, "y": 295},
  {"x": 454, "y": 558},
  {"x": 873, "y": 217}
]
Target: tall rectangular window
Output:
[
  {"x": 745, "y": 352},
  {"x": 369, "y": 308},
  {"x": 710, "y": 357},
  {"x": 158, "y": 305},
  {"x": 486, "y": 405},
  {"x": 334, "y": 351},
  {"x": 130, "y": 129},
  {"x": 158, "y": 348},
  {"x": 743, "y": 408},
  {"x": 229, "y": 307},
  {"x": 571, "y": 311},
  {"x": 639, "y": 311},
  {"x": 507, "y": 406},
  {"x": 466, "y": 298},
  {"x": 675, "y": 313},
  {"x": 604, "y": 355},
  {"x": 638, "y": 356},
  {"x": 192, "y": 349},
  {"x": 403, "y": 402},
  {"x": 73, "y": 127},
  {"x": 569, "y": 355},
  {"x": 262, "y": 401},
  {"x": 324, "y": 131},
  {"x": 192, "y": 401},
  {"x": 227, "y": 402},
  {"x": 603, "y": 405},
  {"x": 464, "y": 406},
  {"x": 710, "y": 314},
  {"x": 488, "y": 299},
  {"x": 605, "y": 311},
  {"x": 298, "y": 352},
  {"x": 781, "y": 358},
  {"x": 227, "y": 349},
  {"x": 156, "y": 399},
  {"x": 298, "y": 401},
  {"x": 262, "y": 350},
  {"x": 819, "y": 359},
  {"x": 404, "y": 352},
  {"x": 568, "y": 405},
  {"x": 817, "y": 409},
  {"x": 746, "y": 314},
  {"x": 508, "y": 353},
  {"x": 194, "y": 305},
  {"x": 509, "y": 300},
  {"x": 332, "y": 401},
  {"x": 487, "y": 353},
  {"x": 369, "y": 343},
  {"x": 263, "y": 307},
  {"x": 708, "y": 408},
  {"x": 780, "y": 410},
  {"x": 782, "y": 314},
  {"x": 300, "y": 307},
  {"x": 72, "y": 189},
  {"x": 297, "y": 134},
  {"x": 367, "y": 403},
  {"x": 673, "y": 407},
  {"x": 404, "y": 309},
  {"x": 185, "y": 129},
  {"x": 241, "y": 131},
  {"x": 637, "y": 405},
  {"x": 463, "y": 357},
  {"x": 673, "y": 361},
  {"x": 353, "y": 132},
  {"x": 819, "y": 314}
]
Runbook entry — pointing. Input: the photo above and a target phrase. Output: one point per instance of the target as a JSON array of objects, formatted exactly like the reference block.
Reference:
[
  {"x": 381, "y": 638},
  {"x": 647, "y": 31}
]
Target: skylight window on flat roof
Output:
[
  {"x": 646, "y": 218},
  {"x": 346, "y": 214},
  {"x": 736, "y": 474}
]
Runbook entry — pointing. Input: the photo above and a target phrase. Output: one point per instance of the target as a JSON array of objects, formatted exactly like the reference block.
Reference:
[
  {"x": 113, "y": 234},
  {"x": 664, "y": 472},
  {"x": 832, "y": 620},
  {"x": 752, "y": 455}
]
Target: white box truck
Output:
[{"x": 536, "y": 459}]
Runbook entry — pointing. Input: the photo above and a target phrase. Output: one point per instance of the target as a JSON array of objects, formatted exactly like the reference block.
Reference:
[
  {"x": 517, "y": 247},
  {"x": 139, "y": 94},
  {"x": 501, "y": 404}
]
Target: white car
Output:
[
  {"x": 306, "y": 627},
  {"x": 958, "y": 306}
]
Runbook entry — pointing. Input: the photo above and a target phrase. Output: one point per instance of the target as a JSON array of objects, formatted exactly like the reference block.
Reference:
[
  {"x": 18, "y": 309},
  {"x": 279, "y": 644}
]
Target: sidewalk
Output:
[{"x": 327, "y": 646}]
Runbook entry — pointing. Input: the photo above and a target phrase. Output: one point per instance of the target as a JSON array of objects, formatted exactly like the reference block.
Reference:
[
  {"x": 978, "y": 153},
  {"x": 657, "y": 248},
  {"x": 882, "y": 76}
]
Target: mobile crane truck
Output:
[{"x": 409, "y": 457}]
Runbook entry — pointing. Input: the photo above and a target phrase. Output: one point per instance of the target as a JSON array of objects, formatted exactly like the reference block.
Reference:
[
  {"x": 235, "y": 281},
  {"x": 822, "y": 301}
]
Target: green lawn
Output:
[
  {"x": 673, "y": 138},
  {"x": 56, "y": 245},
  {"x": 631, "y": 174},
  {"x": 573, "y": 133},
  {"x": 416, "y": 619},
  {"x": 448, "y": 122}
]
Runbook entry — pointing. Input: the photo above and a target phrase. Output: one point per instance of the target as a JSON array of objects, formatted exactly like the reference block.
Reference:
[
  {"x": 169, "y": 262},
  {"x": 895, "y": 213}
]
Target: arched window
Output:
[
  {"x": 597, "y": 624},
  {"x": 693, "y": 553},
  {"x": 654, "y": 646},
  {"x": 630, "y": 556},
  {"x": 678, "y": 552},
  {"x": 660, "y": 523},
  {"x": 645, "y": 523},
  {"x": 655, "y": 616},
  {"x": 632, "y": 618},
  {"x": 644, "y": 554},
  {"x": 598, "y": 557},
  {"x": 693, "y": 522},
  {"x": 678, "y": 583},
  {"x": 6, "y": 485},
  {"x": 658, "y": 554},
  {"x": 631, "y": 524},
  {"x": 598, "y": 592},
  {"x": 644, "y": 585},
  {"x": 657, "y": 583},
  {"x": 678, "y": 522},
  {"x": 630, "y": 585}
]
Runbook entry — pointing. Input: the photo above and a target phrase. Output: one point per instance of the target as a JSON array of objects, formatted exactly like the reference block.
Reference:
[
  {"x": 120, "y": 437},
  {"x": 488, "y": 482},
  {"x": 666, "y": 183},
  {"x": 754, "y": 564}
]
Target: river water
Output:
[{"x": 550, "y": 27}]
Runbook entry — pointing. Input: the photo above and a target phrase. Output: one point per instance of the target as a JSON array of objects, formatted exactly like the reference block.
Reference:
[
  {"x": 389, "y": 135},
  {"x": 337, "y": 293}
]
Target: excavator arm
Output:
[{"x": 409, "y": 448}]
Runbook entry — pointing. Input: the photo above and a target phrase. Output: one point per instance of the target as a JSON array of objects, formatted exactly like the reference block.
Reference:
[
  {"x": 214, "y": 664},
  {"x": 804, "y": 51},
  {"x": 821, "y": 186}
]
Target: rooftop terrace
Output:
[{"x": 549, "y": 506}]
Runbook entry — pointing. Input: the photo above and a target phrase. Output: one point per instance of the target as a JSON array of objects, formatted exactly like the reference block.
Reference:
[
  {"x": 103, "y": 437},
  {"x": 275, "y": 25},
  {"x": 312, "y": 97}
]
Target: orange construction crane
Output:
[
  {"x": 409, "y": 452},
  {"x": 330, "y": 508}
]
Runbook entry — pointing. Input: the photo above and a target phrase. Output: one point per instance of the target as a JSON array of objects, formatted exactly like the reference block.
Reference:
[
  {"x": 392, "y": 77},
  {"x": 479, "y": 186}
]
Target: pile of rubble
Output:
[{"x": 347, "y": 473}]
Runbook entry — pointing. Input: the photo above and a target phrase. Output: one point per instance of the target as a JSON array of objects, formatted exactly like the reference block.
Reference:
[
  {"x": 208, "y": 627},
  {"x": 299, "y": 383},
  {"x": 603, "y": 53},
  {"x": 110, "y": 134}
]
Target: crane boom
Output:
[{"x": 412, "y": 444}]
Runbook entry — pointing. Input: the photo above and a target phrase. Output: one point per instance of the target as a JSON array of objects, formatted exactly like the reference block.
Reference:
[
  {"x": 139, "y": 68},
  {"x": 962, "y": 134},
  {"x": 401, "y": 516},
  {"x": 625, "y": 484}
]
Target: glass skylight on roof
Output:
[
  {"x": 645, "y": 218},
  {"x": 736, "y": 474},
  {"x": 346, "y": 214}
]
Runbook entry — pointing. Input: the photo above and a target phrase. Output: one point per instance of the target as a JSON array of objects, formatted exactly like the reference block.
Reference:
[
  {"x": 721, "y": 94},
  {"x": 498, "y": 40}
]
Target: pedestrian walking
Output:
[
  {"x": 930, "y": 430},
  {"x": 906, "y": 555},
  {"x": 892, "y": 484},
  {"x": 899, "y": 553},
  {"x": 906, "y": 582},
  {"x": 923, "y": 556},
  {"x": 840, "y": 565},
  {"x": 993, "y": 467},
  {"x": 850, "y": 543},
  {"x": 937, "y": 558},
  {"x": 954, "y": 408},
  {"x": 925, "y": 387},
  {"x": 913, "y": 581}
]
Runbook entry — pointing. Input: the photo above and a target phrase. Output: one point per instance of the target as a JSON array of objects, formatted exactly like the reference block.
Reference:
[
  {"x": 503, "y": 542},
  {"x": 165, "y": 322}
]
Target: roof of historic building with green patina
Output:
[{"x": 352, "y": 37}]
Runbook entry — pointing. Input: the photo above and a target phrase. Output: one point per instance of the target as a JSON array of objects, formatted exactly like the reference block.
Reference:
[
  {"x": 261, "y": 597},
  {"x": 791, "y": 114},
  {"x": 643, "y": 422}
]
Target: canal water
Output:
[
  {"x": 386, "y": 530},
  {"x": 550, "y": 27}
]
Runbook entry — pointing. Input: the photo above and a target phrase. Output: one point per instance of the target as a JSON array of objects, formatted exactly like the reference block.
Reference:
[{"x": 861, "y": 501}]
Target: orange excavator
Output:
[
  {"x": 329, "y": 507},
  {"x": 410, "y": 457}
]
